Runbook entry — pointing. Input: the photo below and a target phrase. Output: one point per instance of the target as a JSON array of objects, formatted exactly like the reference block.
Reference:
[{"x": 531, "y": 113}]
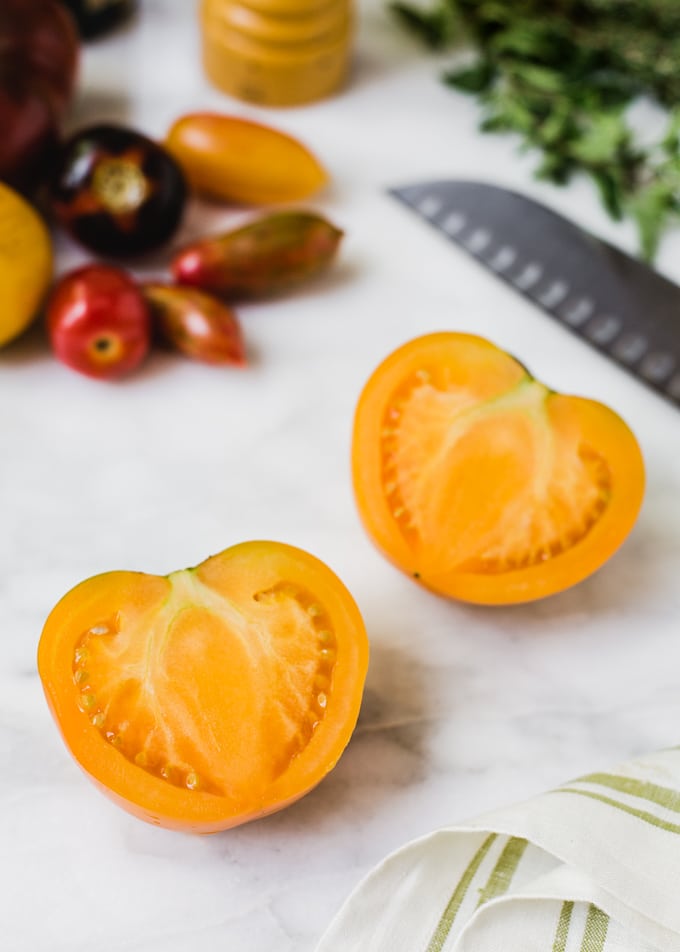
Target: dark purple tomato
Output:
[
  {"x": 117, "y": 192},
  {"x": 30, "y": 137},
  {"x": 39, "y": 52},
  {"x": 95, "y": 18}
]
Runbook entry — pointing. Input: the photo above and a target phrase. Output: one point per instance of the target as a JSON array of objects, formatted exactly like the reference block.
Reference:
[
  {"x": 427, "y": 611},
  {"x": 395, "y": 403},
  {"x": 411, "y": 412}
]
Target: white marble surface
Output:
[{"x": 464, "y": 708}]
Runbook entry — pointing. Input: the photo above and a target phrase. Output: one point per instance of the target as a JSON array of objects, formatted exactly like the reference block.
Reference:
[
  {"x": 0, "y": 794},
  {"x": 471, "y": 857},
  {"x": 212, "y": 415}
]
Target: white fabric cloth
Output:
[{"x": 593, "y": 866}]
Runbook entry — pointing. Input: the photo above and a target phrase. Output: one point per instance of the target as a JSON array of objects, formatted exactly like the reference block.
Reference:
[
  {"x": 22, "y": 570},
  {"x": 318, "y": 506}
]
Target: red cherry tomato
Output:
[{"x": 99, "y": 322}]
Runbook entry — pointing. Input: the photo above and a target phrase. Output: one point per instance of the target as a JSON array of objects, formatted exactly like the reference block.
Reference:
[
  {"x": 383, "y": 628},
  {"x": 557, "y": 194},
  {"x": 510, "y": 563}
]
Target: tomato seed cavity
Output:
[
  {"x": 117, "y": 668},
  {"x": 544, "y": 537}
]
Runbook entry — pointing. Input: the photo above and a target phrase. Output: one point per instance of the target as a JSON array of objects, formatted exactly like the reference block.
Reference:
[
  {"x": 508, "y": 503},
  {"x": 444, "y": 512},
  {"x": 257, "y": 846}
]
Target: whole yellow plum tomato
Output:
[
  {"x": 25, "y": 264},
  {"x": 232, "y": 159}
]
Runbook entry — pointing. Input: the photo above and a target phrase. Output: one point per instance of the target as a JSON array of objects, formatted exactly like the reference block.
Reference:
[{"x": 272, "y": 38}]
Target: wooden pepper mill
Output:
[{"x": 277, "y": 52}]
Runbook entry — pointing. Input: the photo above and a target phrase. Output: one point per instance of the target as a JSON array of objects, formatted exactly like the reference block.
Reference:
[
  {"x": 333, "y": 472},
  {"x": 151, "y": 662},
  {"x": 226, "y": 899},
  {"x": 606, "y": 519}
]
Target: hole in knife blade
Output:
[
  {"x": 630, "y": 348},
  {"x": 528, "y": 277},
  {"x": 430, "y": 206},
  {"x": 454, "y": 223},
  {"x": 478, "y": 240},
  {"x": 657, "y": 366},
  {"x": 579, "y": 312},
  {"x": 603, "y": 329},
  {"x": 504, "y": 258},
  {"x": 554, "y": 294}
]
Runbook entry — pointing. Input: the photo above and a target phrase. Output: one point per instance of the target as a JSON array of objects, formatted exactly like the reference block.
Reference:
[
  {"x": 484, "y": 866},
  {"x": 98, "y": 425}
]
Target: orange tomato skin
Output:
[
  {"x": 219, "y": 671},
  {"x": 489, "y": 380},
  {"x": 244, "y": 162}
]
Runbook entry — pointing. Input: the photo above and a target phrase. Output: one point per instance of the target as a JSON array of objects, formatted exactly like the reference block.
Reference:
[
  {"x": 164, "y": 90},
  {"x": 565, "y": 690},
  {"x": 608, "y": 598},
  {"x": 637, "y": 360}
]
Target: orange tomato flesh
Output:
[
  {"x": 214, "y": 695},
  {"x": 481, "y": 482}
]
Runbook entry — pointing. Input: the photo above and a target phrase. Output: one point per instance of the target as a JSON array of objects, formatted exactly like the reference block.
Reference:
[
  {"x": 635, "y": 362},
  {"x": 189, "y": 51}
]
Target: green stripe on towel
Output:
[
  {"x": 595, "y": 933},
  {"x": 562, "y": 934},
  {"x": 502, "y": 873},
  {"x": 662, "y": 796},
  {"x": 456, "y": 901},
  {"x": 640, "y": 814}
]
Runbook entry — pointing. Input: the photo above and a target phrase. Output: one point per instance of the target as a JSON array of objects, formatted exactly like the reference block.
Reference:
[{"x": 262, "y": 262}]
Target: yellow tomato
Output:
[
  {"x": 25, "y": 264},
  {"x": 238, "y": 160}
]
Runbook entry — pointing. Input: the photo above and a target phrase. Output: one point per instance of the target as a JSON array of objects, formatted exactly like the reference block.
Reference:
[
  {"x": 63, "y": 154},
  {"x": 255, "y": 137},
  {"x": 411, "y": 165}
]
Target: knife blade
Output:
[{"x": 615, "y": 303}]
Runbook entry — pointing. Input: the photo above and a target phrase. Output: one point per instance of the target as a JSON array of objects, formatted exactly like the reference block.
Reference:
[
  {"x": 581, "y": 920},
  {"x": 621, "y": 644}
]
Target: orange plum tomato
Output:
[
  {"x": 214, "y": 695},
  {"x": 237, "y": 160},
  {"x": 98, "y": 322},
  {"x": 482, "y": 483}
]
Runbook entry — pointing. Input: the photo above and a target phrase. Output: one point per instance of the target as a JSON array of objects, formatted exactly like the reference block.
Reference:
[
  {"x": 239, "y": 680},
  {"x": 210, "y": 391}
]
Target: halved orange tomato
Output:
[
  {"x": 211, "y": 696},
  {"x": 482, "y": 483}
]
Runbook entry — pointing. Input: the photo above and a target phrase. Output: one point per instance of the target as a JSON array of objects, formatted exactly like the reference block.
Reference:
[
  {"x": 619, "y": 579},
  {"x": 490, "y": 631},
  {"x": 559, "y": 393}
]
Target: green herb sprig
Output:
[{"x": 562, "y": 74}]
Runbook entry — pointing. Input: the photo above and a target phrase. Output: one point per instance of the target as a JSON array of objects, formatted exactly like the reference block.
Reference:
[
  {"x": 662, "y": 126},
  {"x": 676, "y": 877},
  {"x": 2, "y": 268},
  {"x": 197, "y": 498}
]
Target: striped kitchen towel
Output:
[{"x": 593, "y": 866}]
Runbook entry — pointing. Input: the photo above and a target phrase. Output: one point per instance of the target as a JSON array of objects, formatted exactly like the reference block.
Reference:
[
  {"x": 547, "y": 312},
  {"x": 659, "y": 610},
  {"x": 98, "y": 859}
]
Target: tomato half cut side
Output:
[
  {"x": 482, "y": 483},
  {"x": 214, "y": 695}
]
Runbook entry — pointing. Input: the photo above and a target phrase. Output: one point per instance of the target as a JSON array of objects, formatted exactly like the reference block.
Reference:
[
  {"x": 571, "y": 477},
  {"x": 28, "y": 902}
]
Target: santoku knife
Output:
[{"x": 614, "y": 302}]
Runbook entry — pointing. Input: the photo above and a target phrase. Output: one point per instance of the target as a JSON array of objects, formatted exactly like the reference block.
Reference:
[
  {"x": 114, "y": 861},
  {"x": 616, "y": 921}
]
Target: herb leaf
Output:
[
  {"x": 561, "y": 76},
  {"x": 472, "y": 79},
  {"x": 434, "y": 27}
]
